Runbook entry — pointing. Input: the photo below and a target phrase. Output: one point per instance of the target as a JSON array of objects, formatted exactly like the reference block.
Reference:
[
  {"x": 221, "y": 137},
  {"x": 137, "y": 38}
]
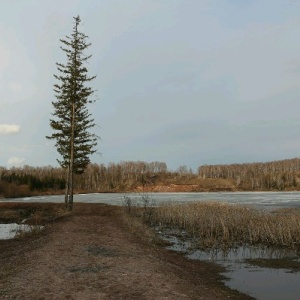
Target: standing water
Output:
[{"x": 261, "y": 273}]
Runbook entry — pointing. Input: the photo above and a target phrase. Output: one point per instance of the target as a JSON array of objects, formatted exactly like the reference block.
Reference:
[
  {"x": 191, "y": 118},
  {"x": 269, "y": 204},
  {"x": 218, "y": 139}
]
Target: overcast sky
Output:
[{"x": 186, "y": 82}]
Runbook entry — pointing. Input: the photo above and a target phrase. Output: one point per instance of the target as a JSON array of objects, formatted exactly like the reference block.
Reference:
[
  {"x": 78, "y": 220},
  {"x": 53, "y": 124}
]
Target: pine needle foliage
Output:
[{"x": 72, "y": 121}]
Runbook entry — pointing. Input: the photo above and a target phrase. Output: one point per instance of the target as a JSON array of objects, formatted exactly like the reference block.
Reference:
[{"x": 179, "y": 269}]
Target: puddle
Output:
[
  {"x": 9, "y": 231},
  {"x": 262, "y": 272},
  {"x": 263, "y": 283}
]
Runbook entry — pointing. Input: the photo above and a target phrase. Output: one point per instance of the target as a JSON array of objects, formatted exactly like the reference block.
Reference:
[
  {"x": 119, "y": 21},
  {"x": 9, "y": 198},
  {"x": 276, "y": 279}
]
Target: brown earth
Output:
[
  {"x": 98, "y": 252},
  {"x": 195, "y": 184}
]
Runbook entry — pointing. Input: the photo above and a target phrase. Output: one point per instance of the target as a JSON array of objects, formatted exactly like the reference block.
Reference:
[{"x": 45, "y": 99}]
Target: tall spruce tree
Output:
[{"x": 72, "y": 122}]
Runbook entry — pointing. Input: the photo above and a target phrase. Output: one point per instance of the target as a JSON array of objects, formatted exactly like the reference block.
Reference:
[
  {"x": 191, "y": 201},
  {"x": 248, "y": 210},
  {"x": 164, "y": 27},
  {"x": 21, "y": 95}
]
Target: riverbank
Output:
[{"x": 98, "y": 252}]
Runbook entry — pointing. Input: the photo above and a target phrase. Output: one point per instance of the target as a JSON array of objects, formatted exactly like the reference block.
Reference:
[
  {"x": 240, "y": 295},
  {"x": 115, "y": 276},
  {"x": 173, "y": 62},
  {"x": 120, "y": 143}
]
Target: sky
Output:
[{"x": 186, "y": 82}]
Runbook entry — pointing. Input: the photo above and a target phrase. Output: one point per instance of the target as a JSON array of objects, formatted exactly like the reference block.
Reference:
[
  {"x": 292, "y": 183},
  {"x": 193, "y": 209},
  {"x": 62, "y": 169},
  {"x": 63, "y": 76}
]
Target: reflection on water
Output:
[
  {"x": 242, "y": 253},
  {"x": 263, "y": 283},
  {"x": 280, "y": 280}
]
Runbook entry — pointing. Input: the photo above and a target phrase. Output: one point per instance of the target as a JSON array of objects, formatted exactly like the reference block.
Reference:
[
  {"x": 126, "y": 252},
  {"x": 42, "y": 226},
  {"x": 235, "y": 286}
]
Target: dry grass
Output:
[
  {"x": 224, "y": 225},
  {"x": 31, "y": 217},
  {"x": 138, "y": 228},
  {"x": 28, "y": 230},
  {"x": 31, "y": 213}
]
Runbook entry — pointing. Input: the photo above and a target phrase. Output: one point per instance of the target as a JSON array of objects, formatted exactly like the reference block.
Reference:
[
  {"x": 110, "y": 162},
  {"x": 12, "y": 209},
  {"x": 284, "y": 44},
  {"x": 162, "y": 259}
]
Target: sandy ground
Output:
[{"x": 97, "y": 254}]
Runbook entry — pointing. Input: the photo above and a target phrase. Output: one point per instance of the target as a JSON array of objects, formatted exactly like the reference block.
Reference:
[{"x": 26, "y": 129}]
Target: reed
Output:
[{"x": 216, "y": 224}]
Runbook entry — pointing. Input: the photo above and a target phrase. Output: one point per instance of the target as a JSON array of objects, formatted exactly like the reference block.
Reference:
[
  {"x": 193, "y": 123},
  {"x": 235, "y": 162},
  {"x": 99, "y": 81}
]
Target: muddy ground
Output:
[{"x": 97, "y": 252}]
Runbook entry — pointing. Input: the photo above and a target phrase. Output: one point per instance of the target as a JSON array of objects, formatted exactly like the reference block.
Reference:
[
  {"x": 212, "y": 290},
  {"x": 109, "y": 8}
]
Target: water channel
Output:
[{"x": 261, "y": 273}]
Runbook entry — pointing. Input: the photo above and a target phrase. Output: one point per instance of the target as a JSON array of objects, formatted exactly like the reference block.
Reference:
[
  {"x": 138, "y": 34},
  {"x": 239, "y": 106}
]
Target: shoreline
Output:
[{"x": 97, "y": 251}]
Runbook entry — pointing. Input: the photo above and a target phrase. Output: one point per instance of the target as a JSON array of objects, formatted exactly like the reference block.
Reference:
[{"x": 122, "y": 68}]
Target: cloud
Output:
[
  {"x": 15, "y": 87},
  {"x": 15, "y": 161},
  {"x": 6, "y": 129}
]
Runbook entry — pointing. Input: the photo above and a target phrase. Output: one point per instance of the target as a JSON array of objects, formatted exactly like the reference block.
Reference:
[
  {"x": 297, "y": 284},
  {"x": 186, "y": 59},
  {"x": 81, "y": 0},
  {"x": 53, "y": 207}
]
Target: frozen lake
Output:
[{"x": 268, "y": 200}]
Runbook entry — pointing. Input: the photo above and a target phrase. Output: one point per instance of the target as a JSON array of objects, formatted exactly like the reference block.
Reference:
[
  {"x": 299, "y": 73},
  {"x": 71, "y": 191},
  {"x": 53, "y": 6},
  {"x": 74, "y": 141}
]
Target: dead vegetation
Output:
[
  {"x": 221, "y": 225},
  {"x": 30, "y": 213},
  {"x": 139, "y": 176},
  {"x": 95, "y": 254}
]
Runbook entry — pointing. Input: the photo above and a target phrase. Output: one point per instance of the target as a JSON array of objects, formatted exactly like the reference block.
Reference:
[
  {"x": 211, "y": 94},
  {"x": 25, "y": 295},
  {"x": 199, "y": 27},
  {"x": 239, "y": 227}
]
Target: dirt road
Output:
[{"x": 96, "y": 254}]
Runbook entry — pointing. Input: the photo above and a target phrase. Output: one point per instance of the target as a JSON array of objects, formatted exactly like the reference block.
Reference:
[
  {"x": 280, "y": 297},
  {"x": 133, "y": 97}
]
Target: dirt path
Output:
[{"x": 94, "y": 254}]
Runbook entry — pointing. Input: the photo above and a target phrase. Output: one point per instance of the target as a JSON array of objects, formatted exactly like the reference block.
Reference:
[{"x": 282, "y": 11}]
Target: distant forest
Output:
[
  {"x": 140, "y": 176},
  {"x": 275, "y": 175}
]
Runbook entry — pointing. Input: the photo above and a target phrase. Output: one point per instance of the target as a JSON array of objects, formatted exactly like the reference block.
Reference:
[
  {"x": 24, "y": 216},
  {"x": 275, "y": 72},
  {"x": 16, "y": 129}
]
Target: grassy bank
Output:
[
  {"x": 31, "y": 213},
  {"x": 221, "y": 225}
]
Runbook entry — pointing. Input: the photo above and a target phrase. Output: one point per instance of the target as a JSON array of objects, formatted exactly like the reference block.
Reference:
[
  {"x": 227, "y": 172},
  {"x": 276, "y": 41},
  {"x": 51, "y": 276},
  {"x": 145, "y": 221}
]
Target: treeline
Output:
[
  {"x": 129, "y": 176},
  {"x": 275, "y": 175},
  {"x": 114, "y": 177},
  {"x": 119, "y": 176},
  {"x": 27, "y": 181},
  {"x": 34, "y": 178}
]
